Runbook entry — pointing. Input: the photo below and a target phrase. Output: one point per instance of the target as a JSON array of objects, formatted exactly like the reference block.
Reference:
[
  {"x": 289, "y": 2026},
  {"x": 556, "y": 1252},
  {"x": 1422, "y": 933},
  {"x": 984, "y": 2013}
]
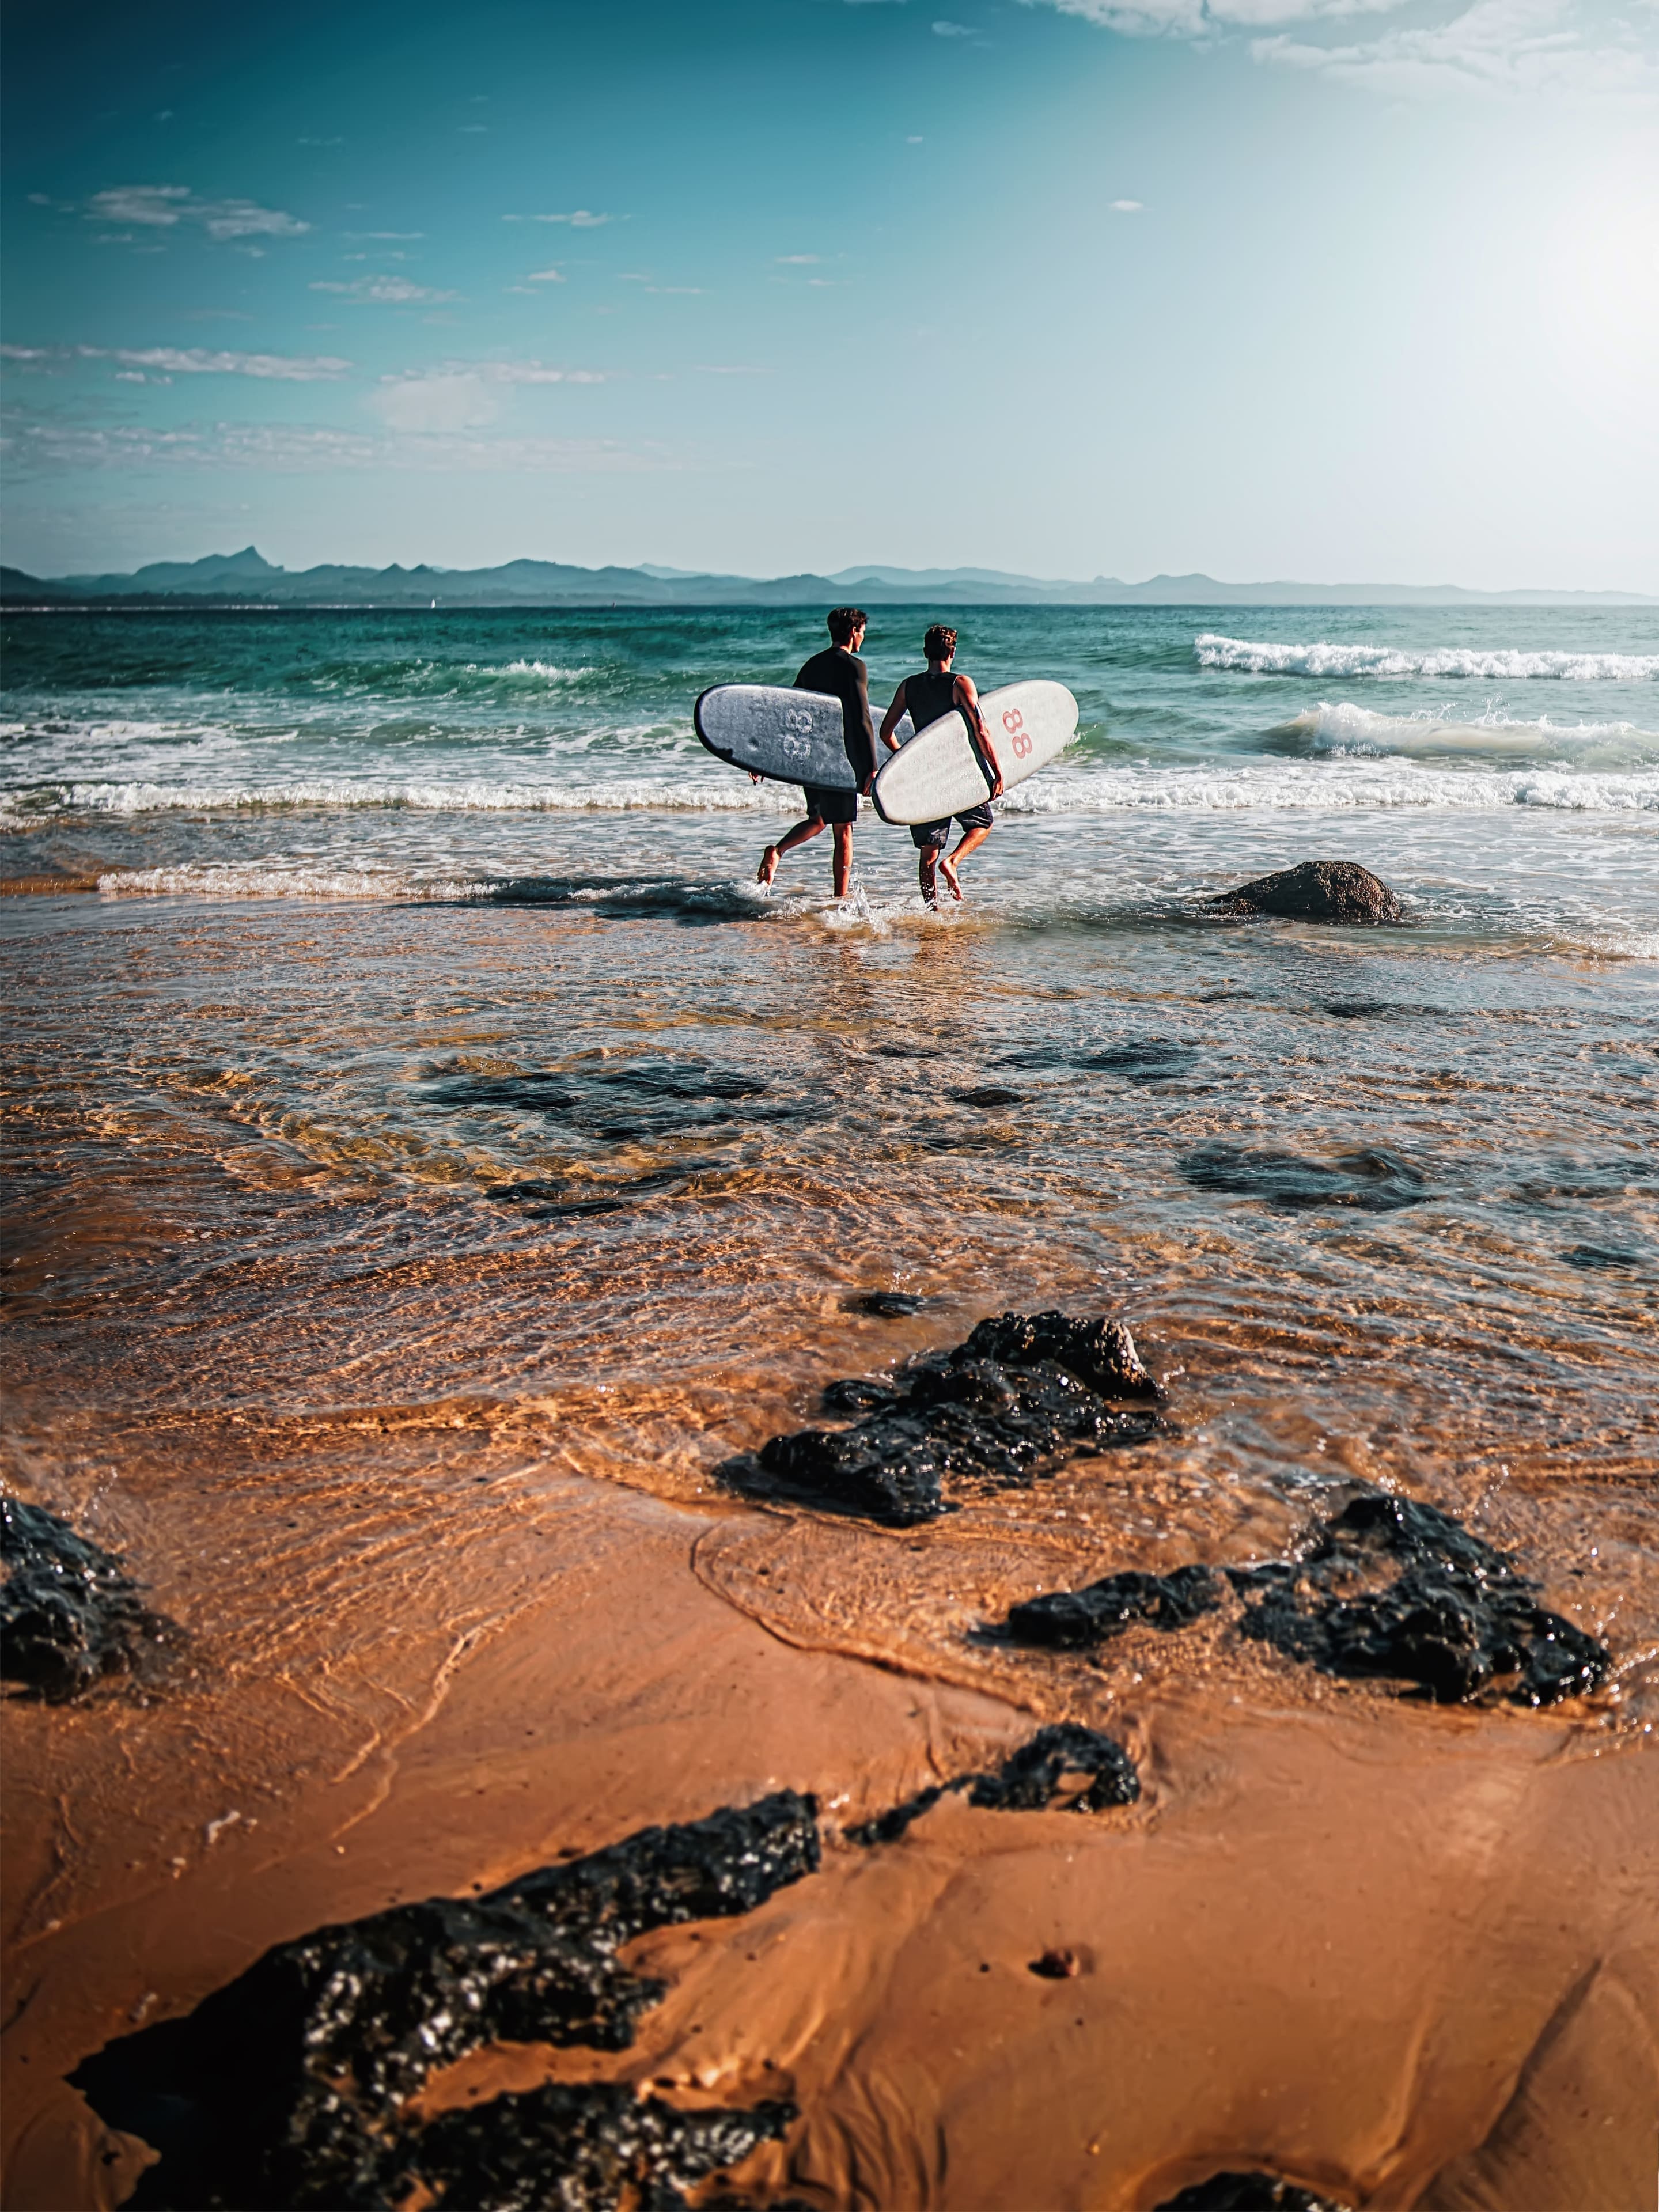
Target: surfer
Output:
[
  {"x": 838, "y": 672},
  {"x": 927, "y": 698}
]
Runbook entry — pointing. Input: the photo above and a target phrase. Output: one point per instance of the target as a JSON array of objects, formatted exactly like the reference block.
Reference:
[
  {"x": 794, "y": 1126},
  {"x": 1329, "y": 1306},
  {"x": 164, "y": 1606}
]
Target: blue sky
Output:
[{"x": 1268, "y": 287}]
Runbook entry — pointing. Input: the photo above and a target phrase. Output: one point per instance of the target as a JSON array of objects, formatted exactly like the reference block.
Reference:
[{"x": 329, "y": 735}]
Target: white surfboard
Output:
[
  {"x": 795, "y": 736},
  {"x": 938, "y": 772}
]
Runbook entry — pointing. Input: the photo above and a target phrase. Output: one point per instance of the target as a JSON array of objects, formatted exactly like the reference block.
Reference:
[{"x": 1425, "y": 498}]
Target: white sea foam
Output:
[
  {"x": 1337, "y": 786},
  {"x": 250, "y": 880},
  {"x": 1326, "y": 657},
  {"x": 1344, "y": 728},
  {"x": 1344, "y": 780},
  {"x": 715, "y": 795}
]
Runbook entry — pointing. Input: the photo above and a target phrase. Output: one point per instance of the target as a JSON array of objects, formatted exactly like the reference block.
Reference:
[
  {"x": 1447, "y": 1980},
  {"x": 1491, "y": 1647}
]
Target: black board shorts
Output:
[
  {"x": 934, "y": 837},
  {"x": 825, "y": 806}
]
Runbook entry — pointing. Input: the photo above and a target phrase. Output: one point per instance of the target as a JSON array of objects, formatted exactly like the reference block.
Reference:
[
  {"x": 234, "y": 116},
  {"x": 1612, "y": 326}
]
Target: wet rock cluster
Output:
[
  {"x": 287, "y": 2088},
  {"x": 1024, "y": 1392},
  {"x": 1064, "y": 1768},
  {"x": 1456, "y": 1619},
  {"x": 1388, "y": 1588},
  {"x": 71, "y": 1615},
  {"x": 1317, "y": 890},
  {"x": 1073, "y": 1620}
]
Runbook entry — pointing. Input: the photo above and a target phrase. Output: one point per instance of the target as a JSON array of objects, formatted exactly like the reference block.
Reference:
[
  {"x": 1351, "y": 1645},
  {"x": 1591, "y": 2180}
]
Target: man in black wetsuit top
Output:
[
  {"x": 838, "y": 671},
  {"x": 926, "y": 697}
]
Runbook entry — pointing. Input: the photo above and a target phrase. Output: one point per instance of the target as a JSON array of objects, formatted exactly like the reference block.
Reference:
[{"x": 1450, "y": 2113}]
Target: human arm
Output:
[
  {"x": 967, "y": 698},
  {"x": 891, "y": 719}
]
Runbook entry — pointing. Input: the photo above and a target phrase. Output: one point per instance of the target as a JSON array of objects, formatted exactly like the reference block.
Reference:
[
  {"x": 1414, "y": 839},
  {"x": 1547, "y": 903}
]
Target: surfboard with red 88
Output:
[{"x": 1014, "y": 722}]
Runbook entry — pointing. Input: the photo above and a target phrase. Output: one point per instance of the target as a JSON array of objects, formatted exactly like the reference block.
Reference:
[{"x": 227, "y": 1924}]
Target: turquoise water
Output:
[{"x": 1505, "y": 764}]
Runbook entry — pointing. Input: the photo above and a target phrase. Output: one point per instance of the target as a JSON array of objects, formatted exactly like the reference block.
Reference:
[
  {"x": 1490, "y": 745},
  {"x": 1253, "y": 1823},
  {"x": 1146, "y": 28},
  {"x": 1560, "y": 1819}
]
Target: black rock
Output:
[
  {"x": 1074, "y": 1768},
  {"x": 1074, "y": 1620},
  {"x": 989, "y": 1094},
  {"x": 1100, "y": 1352},
  {"x": 586, "y": 2149},
  {"x": 1022, "y": 1392},
  {"x": 1064, "y": 1768},
  {"x": 71, "y": 1615},
  {"x": 1317, "y": 890},
  {"x": 884, "y": 1305},
  {"x": 1388, "y": 1587},
  {"x": 1246, "y": 2192},
  {"x": 286, "y": 2089},
  {"x": 1457, "y": 1617}
]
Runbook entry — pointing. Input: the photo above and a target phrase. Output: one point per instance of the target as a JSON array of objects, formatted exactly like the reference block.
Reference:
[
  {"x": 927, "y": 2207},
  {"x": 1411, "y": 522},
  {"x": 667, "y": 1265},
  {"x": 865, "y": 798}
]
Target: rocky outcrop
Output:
[
  {"x": 1065, "y": 1768},
  {"x": 1024, "y": 1392},
  {"x": 287, "y": 2091},
  {"x": 1388, "y": 1587},
  {"x": 1075, "y": 1620},
  {"x": 71, "y": 1615},
  {"x": 1317, "y": 890}
]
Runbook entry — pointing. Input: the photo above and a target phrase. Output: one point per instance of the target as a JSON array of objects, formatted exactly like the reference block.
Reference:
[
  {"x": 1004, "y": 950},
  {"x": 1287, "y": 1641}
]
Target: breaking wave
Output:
[
  {"x": 1335, "y": 781},
  {"x": 1327, "y": 658},
  {"x": 1344, "y": 729}
]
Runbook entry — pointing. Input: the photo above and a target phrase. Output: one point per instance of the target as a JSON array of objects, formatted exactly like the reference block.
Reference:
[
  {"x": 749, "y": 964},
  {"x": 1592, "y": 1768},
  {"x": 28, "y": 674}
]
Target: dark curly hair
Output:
[
  {"x": 844, "y": 621},
  {"x": 940, "y": 642}
]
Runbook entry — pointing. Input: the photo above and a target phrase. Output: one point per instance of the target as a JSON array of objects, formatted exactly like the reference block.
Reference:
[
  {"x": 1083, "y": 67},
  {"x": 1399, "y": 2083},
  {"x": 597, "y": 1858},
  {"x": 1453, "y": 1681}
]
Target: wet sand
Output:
[{"x": 425, "y": 1471}]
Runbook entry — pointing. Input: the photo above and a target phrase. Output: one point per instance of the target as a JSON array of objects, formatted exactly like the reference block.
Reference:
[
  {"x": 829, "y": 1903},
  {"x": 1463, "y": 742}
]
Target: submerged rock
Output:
[
  {"x": 1065, "y": 1768},
  {"x": 1073, "y": 1620},
  {"x": 1022, "y": 1392},
  {"x": 1455, "y": 1618},
  {"x": 71, "y": 1615},
  {"x": 286, "y": 2091},
  {"x": 1317, "y": 890}
]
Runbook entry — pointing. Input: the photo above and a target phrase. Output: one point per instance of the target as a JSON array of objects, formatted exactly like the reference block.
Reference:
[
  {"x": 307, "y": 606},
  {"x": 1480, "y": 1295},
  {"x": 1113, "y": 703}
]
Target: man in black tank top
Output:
[
  {"x": 927, "y": 697},
  {"x": 838, "y": 671}
]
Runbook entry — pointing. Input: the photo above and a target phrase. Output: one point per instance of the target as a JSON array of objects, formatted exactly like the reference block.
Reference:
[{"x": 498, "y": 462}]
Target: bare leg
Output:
[
  {"x": 926, "y": 859},
  {"x": 773, "y": 854},
  {"x": 843, "y": 857},
  {"x": 968, "y": 842}
]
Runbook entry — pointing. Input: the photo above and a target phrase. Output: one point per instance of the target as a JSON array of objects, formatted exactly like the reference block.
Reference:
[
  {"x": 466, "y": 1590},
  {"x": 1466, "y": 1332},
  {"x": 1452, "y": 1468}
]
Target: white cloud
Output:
[
  {"x": 578, "y": 219},
  {"x": 401, "y": 236},
  {"x": 440, "y": 402},
  {"x": 545, "y": 277},
  {"x": 796, "y": 260},
  {"x": 728, "y": 368},
  {"x": 163, "y": 207},
  {"x": 947, "y": 30},
  {"x": 1492, "y": 46},
  {"x": 200, "y": 360},
  {"x": 288, "y": 446},
  {"x": 1126, "y": 207},
  {"x": 1495, "y": 46},
  {"x": 166, "y": 361},
  {"x": 385, "y": 291}
]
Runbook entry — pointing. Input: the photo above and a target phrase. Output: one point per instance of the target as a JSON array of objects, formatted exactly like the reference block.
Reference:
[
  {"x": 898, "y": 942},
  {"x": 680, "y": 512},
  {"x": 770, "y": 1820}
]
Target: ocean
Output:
[{"x": 430, "y": 1154}]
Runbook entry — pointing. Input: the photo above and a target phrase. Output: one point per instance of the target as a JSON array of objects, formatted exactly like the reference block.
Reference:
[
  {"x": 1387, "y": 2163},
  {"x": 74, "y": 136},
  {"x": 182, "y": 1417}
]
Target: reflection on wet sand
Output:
[{"x": 386, "y": 1286}]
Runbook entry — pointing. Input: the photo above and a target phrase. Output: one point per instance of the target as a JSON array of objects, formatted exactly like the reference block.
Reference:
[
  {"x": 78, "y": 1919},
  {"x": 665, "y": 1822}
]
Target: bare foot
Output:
[
  {"x": 769, "y": 866},
  {"x": 950, "y": 876}
]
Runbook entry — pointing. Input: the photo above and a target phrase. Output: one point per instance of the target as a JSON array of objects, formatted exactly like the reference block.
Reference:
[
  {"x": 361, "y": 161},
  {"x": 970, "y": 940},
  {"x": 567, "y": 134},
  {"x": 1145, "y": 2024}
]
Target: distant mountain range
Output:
[{"x": 247, "y": 579}]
